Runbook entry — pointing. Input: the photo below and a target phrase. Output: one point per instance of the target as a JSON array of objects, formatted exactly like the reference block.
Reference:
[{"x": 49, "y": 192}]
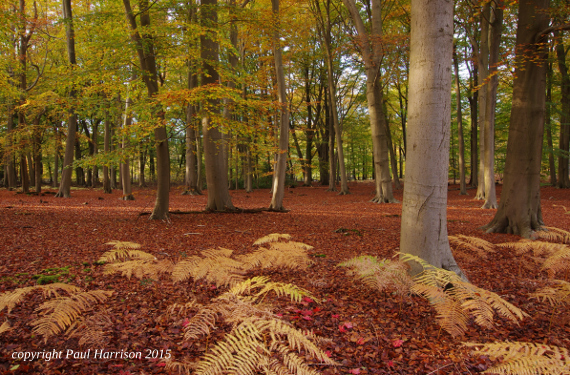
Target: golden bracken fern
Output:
[
  {"x": 557, "y": 294},
  {"x": 215, "y": 266},
  {"x": 274, "y": 237},
  {"x": 93, "y": 330},
  {"x": 558, "y": 261},
  {"x": 473, "y": 244},
  {"x": 5, "y": 327},
  {"x": 60, "y": 312},
  {"x": 554, "y": 234},
  {"x": 380, "y": 274},
  {"x": 524, "y": 358},
  {"x": 10, "y": 299}
]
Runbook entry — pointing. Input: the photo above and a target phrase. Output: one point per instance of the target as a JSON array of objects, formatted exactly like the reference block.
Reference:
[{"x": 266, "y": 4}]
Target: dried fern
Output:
[
  {"x": 5, "y": 327},
  {"x": 216, "y": 267},
  {"x": 380, "y": 274},
  {"x": 140, "y": 268},
  {"x": 524, "y": 358},
  {"x": 558, "y": 294},
  {"x": 279, "y": 254},
  {"x": 558, "y": 261},
  {"x": 554, "y": 234},
  {"x": 123, "y": 251},
  {"x": 455, "y": 299},
  {"x": 257, "y": 287},
  {"x": 538, "y": 248},
  {"x": 474, "y": 244},
  {"x": 10, "y": 299},
  {"x": 274, "y": 237},
  {"x": 93, "y": 330},
  {"x": 61, "y": 312}
]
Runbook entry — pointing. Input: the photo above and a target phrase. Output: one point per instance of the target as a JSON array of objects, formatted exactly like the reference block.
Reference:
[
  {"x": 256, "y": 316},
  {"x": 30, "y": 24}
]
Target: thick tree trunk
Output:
[
  {"x": 65, "y": 186},
  {"x": 519, "y": 210},
  {"x": 424, "y": 210},
  {"x": 281, "y": 166},
  {"x": 219, "y": 198},
  {"x": 548, "y": 126}
]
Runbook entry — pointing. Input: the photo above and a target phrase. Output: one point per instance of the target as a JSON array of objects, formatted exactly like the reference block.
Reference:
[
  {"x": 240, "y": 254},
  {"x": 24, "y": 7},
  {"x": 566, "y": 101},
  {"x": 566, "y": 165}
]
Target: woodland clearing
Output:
[{"x": 370, "y": 332}]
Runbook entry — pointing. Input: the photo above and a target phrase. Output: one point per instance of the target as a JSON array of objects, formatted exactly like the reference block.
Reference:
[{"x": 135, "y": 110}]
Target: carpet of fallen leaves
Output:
[{"x": 370, "y": 332}]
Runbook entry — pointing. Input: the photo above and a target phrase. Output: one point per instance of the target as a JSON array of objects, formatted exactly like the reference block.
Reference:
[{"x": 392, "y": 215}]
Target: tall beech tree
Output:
[
  {"x": 282, "y": 148},
  {"x": 519, "y": 209},
  {"x": 144, "y": 46},
  {"x": 371, "y": 50},
  {"x": 219, "y": 198},
  {"x": 65, "y": 185},
  {"x": 424, "y": 210}
]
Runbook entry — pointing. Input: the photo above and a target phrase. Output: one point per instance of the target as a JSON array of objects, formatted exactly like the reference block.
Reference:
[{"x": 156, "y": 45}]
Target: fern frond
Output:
[
  {"x": 538, "y": 248},
  {"x": 274, "y": 237},
  {"x": 92, "y": 330},
  {"x": 5, "y": 327},
  {"x": 124, "y": 244},
  {"x": 524, "y": 358},
  {"x": 257, "y": 287},
  {"x": 380, "y": 274},
  {"x": 11, "y": 299},
  {"x": 475, "y": 244},
  {"x": 184, "y": 308},
  {"x": 200, "y": 324},
  {"x": 62, "y": 311},
  {"x": 121, "y": 254},
  {"x": 216, "y": 268},
  {"x": 558, "y": 261},
  {"x": 554, "y": 234},
  {"x": 558, "y": 294},
  {"x": 280, "y": 254},
  {"x": 51, "y": 290},
  {"x": 180, "y": 367},
  {"x": 140, "y": 268}
]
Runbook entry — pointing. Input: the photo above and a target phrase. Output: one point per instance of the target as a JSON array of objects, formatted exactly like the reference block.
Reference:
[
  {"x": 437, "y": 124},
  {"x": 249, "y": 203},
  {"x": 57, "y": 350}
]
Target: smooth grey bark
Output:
[
  {"x": 65, "y": 185},
  {"x": 424, "y": 210},
  {"x": 125, "y": 172},
  {"x": 548, "y": 125},
  {"x": 519, "y": 209},
  {"x": 372, "y": 55},
  {"x": 462, "y": 184},
  {"x": 483, "y": 68},
  {"x": 219, "y": 198},
  {"x": 283, "y": 146},
  {"x": 496, "y": 23}
]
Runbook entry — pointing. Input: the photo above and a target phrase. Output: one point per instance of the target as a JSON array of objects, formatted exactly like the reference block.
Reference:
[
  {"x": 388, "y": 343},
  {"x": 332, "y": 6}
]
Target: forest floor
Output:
[{"x": 371, "y": 332}]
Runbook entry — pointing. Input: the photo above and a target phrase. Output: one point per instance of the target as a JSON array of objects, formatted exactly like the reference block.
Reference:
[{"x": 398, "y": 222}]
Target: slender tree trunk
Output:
[
  {"x": 147, "y": 60},
  {"x": 126, "y": 175},
  {"x": 519, "y": 209},
  {"x": 548, "y": 126},
  {"x": 424, "y": 210},
  {"x": 10, "y": 170},
  {"x": 65, "y": 186},
  {"x": 107, "y": 149},
  {"x": 462, "y": 185},
  {"x": 483, "y": 67},
  {"x": 280, "y": 170},
  {"x": 496, "y": 19},
  {"x": 372, "y": 55},
  {"x": 564, "y": 145},
  {"x": 37, "y": 150}
]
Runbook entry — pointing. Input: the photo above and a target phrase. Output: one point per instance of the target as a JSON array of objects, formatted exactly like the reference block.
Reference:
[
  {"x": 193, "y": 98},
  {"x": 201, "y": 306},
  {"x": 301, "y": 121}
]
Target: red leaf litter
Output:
[{"x": 369, "y": 332}]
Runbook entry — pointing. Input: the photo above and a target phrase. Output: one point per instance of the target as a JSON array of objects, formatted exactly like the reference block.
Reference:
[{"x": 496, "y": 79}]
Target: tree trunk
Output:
[
  {"x": 9, "y": 168},
  {"x": 564, "y": 142},
  {"x": 219, "y": 198},
  {"x": 548, "y": 126},
  {"x": 496, "y": 18},
  {"x": 462, "y": 185},
  {"x": 519, "y": 210},
  {"x": 107, "y": 149},
  {"x": 424, "y": 210},
  {"x": 125, "y": 173},
  {"x": 483, "y": 67},
  {"x": 94, "y": 141},
  {"x": 65, "y": 186},
  {"x": 37, "y": 150},
  {"x": 147, "y": 60},
  {"x": 281, "y": 166},
  {"x": 372, "y": 55}
]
